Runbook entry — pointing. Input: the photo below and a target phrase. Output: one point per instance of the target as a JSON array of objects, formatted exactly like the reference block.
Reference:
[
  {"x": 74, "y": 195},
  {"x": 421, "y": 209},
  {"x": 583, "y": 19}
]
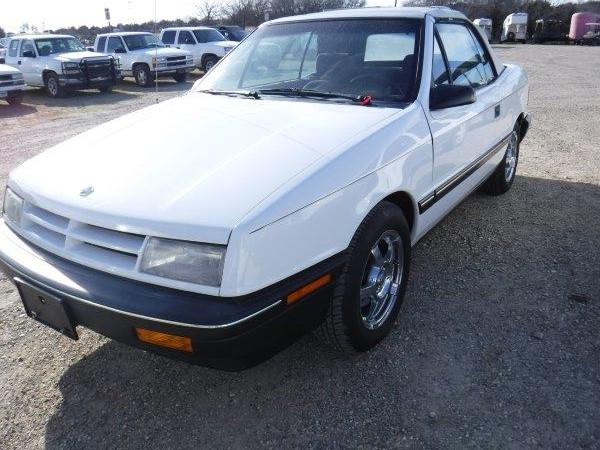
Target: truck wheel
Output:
[
  {"x": 180, "y": 77},
  {"x": 142, "y": 74},
  {"x": 502, "y": 179},
  {"x": 209, "y": 62},
  {"x": 15, "y": 98},
  {"x": 510, "y": 37},
  {"x": 53, "y": 87},
  {"x": 369, "y": 292}
]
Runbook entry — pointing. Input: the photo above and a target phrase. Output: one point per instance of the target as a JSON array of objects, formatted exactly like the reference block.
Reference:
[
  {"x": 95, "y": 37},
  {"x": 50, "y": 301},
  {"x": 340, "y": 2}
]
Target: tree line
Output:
[{"x": 251, "y": 13}]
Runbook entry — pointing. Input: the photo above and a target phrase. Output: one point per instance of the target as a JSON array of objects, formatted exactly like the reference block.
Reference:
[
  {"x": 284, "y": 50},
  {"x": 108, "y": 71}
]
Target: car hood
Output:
[
  {"x": 225, "y": 44},
  {"x": 188, "y": 168},
  {"x": 163, "y": 51},
  {"x": 77, "y": 56},
  {"x": 5, "y": 70}
]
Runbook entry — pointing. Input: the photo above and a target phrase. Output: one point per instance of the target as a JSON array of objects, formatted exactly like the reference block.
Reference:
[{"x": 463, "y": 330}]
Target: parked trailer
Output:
[
  {"x": 485, "y": 26},
  {"x": 514, "y": 28},
  {"x": 550, "y": 30},
  {"x": 579, "y": 25}
]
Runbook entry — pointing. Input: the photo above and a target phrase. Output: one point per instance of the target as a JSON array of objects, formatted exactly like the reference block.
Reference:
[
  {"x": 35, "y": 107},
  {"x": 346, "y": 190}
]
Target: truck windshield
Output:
[
  {"x": 51, "y": 46},
  {"x": 370, "y": 57},
  {"x": 140, "y": 41}
]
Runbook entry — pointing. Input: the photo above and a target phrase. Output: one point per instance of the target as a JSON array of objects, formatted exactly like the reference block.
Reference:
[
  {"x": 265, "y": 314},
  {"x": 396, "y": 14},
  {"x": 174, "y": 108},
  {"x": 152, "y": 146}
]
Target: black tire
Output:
[
  {"x": 345, "y": 327},
  {"x": 510, "y": 37},
  {"x": 15, "y": 98},
  {"x": 209, "y": 62},
  {"x": 106, "y": 89},
  {"x": 501, "y": 180},
  {"x": 53, "y": 87},
  {"x": 142, "y": 75},
  {"x": 180, "y": 77}
]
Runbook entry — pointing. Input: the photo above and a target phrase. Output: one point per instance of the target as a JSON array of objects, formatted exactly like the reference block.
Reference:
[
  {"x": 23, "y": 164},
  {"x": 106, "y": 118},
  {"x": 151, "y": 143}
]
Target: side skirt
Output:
[{"x": 461, "y": 176}]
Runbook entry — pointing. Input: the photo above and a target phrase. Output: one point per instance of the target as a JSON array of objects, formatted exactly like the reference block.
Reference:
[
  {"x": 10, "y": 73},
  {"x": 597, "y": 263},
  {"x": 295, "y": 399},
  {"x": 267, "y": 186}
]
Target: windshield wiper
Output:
[
  {"x": 252, "y": 94},
  {"x": 364, "y": 100}
]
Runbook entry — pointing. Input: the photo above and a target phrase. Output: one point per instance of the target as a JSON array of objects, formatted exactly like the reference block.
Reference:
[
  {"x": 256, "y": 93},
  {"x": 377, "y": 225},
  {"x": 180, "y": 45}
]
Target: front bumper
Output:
[
  {"x": 82, "y": 82},
  {"x": 226, "y": 333},
  {"x": 167, "y": 71}
]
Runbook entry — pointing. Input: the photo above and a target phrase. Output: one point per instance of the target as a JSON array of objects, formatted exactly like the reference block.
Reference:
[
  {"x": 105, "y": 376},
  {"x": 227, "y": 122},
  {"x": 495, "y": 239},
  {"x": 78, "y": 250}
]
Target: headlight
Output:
[
  {"x": 70, "y": 67},
  {"x": 12, "y": 206},
  {"x": 17, "y": 76},
  {"x": 158, "y": 61},
  {"x": 184, "y": 261}
]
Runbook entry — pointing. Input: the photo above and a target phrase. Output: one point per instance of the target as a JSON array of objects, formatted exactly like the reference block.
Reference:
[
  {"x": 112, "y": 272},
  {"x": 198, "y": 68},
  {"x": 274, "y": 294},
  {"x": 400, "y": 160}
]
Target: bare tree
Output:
[{"x": 208, "y": 11}]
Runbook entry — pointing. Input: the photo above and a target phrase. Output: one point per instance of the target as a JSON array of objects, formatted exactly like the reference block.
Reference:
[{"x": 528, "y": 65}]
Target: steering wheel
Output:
[{"x": 372, "y": 81}]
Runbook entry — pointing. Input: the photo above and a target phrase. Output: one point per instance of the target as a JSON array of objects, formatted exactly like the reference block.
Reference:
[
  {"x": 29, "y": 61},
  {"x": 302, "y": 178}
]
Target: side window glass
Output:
[
  {"x": 114, "y": 42},
  {"x": 466, "y": 65},
  {"x": 185, "y": 37},
  {"x": 27, "y": 47},
  {"x": 486, "y": 62},
  {"x": 439, "y": 71},
  {"x": 168, "y": 37},
  {"x": 13, "y": 50},
  {"x": 101, "y": 44}
]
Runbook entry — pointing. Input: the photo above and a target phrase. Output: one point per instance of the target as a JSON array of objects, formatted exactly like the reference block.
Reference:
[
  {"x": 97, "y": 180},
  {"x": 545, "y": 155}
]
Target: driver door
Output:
[
  {"x": 29, "y": 64},
  {"x": 461, "y": 134}
]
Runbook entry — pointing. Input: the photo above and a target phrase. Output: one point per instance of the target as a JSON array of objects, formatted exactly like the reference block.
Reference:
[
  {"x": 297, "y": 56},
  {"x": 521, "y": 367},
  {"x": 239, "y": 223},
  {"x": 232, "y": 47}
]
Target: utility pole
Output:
[{"x": 107, "y": 15}]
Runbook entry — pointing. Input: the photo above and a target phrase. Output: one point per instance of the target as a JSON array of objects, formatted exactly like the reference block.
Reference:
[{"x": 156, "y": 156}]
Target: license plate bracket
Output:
[{"x": 46, "y": 308}]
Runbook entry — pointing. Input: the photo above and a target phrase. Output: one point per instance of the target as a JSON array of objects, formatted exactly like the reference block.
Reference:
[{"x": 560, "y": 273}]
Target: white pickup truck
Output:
[
  {"x": 11, "y": 85},
  {"x": 142, "y": 56},
  {"x": 206, "y": 44},
  {"x": 60, "y": 62},
  {"x": 293, "y": 181}
]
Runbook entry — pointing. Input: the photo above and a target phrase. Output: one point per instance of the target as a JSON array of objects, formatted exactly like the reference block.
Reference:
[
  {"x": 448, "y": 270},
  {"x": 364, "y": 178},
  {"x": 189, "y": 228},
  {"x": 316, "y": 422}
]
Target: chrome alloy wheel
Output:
[
  {"x": 381, "y": 279},
  {"x": 52, "y": 86},
  {"x": 142, "y": 78},
  {"x": 511, "y": 157}
]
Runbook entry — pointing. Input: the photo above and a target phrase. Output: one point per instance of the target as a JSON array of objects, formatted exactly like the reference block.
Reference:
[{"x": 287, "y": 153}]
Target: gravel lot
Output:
[{"x": 498, "y": 343}]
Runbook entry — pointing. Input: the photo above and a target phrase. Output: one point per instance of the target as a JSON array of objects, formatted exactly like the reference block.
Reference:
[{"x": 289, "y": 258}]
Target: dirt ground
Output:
[{"x": 497, "y": 345}]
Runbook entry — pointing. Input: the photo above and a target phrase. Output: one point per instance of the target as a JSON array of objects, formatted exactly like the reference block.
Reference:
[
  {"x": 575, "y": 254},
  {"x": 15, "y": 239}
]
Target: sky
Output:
[{"x": 54, "y": 14}]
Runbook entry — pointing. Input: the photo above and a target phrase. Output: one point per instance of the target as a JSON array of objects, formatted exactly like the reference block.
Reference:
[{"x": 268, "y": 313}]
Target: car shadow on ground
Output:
[
  {"x": 165, "y": 84},
  {"x": 497, "y": 338},
  {"x": 39, "y": 97},
  {"x": 9, "y": 111}
]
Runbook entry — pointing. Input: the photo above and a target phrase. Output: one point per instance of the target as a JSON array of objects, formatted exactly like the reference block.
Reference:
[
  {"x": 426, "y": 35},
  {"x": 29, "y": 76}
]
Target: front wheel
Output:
[
  {"x": 180, "y": 77},
  {"x": 53, "y": 87},
  {"x": 15, "y": 98},
  {"x": 369, "y": 292},
  {"x": 209, "y": 62},
  {"x": 142, "y": 75},
  {"x": 503, "y": 177}
]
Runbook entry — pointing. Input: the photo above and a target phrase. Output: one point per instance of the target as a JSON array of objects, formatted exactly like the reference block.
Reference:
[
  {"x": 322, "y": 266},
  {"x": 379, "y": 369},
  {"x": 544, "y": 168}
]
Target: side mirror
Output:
[
  {"x": 120, "y": 50},
  {"x": 28, "y": 54},
  {"x": 450, "y": 95},
  {"x": 90, "y": 49}
]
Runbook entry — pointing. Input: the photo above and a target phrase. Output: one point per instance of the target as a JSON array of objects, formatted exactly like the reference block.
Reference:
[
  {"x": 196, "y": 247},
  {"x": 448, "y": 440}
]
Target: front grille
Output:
[
  {"x": 12, "y": 83},
  {"x": 5, "y": 77},
  {"x": 96, "y": 68},
  {"x": 176, "y": 58},
  {"x": 102, "y": 248}
]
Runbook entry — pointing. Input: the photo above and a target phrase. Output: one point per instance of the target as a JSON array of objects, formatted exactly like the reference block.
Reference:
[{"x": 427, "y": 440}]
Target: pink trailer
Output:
[{"x": 579, "y": 23}]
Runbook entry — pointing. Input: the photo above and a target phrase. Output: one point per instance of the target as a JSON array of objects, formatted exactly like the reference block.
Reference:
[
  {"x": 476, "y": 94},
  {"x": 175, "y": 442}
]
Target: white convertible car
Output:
[{"x": 282, "y": 194}]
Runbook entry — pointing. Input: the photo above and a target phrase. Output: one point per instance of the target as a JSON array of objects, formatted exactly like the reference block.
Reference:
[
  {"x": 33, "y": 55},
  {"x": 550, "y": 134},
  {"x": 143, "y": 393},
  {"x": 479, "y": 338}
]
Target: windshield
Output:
[
  {"x": 374, "y": 58},
  {"x": 139, "y": 41},
  {"x": 237, "y": 34},
  {"x": 51, "y": 46},
  {"x": 208, "y": 36}
]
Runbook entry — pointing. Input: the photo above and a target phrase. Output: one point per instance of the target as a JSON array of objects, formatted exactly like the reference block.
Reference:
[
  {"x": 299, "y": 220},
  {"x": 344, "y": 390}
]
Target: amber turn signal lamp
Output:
[
  {"x": 181, "y": 343},
  {"x": 309, "y": 288}
]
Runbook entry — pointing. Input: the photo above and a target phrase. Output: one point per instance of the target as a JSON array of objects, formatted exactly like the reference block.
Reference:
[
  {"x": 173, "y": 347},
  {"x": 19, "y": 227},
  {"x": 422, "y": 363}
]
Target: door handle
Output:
[
  {"x": 497, "y": 111},
  {"x": 19, "y": 62}
]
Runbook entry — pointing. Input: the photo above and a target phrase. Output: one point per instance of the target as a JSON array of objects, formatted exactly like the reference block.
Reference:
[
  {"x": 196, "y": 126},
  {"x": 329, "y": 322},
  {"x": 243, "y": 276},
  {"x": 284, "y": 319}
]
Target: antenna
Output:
[{"x": 155, "y": 57}]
